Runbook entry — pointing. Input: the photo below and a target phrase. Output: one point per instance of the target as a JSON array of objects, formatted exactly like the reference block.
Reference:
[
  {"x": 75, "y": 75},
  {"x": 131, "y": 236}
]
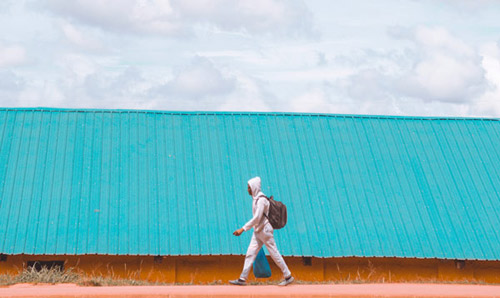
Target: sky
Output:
[{"x": 387, "y": 57}]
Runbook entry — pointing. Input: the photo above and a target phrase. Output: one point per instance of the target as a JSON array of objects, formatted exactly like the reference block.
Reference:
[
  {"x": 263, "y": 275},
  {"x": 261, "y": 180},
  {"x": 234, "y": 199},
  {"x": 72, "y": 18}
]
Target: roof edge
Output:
[
  {"x": 230, "y": 254},
  {"x": 250, "y": 113}
]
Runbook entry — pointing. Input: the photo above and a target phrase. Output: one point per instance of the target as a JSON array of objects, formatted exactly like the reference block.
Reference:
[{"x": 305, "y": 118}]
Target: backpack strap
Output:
[{"x": 268, "y": 199}]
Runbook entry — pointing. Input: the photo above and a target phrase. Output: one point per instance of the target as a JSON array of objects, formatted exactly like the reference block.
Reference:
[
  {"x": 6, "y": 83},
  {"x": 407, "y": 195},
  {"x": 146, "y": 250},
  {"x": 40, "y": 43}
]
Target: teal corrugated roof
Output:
[{"x": 174, "y": 183}]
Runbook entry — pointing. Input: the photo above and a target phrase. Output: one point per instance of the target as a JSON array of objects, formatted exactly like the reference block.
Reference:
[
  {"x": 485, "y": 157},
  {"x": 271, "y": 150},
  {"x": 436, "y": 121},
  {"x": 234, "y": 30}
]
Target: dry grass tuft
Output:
[
  {"x": 56, "y": 276},
  {"x": 45, "y": 275}
]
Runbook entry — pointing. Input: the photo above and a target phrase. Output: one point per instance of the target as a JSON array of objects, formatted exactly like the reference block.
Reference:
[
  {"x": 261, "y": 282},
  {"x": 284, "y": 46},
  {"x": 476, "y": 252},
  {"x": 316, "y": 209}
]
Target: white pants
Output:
[{"x": 263, "y": 237}]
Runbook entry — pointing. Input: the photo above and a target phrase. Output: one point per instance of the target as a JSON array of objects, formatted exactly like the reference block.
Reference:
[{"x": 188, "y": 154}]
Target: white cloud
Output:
[
  {"x": 438, "y": 74},
  {"x": 11, "y": 85},
  {"x": 5, "y": 5},
  {"x": 91, "y": 85},
  {"x": 337, "y": 99},
  {"x": 16, "y": 90},
  {"x": 78, "y": 66},
  {"x": 124, "y": 16},
  {"x": 432, "y": 39},
  {"x": 367, "y": 85},
  {"x": 9, "y": 81},
  {"x": 448, "y": 70},
  {"x": 400, "y": 32},
  {"x": 12, "y": 55},
  {"x": 82, "y": 82},
  {"x": 467, "y": 6},
  {"x": 322, "y": 61},
  {"x": 200, "y": 79},
  {"x": 489, "y": 102},
  {"x": 252, "y": 16},
  {"x": 86, "y": 83},
  {"x": 308, "y": 75},
  {"x": 42, "y": 93},
  {"x": 313, "y": 101},
  {"x": 296, "y": 61},
  {"x": 251, "y": 94},
  {"x": 203, "y": 85},
  {"x": 178, "y": 18},
  {"x": 81, "y": 39}
]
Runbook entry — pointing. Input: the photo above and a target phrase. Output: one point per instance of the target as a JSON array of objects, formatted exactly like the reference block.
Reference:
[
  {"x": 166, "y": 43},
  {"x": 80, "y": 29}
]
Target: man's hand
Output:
[{"x": 238, "y": 232}]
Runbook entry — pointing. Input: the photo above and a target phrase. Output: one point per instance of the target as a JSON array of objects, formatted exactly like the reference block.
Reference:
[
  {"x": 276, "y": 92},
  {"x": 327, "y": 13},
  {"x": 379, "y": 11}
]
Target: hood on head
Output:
[{"x": 254, "y": 184}]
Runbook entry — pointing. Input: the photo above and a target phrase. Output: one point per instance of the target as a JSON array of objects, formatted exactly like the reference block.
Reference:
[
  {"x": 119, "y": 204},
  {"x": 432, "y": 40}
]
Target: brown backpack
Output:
[{"x": 277, "y": 213}]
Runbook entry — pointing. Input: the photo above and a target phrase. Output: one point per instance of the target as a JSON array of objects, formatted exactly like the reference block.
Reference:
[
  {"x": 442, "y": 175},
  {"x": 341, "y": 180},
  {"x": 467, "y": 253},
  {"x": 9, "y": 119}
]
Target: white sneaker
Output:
[
  {"x": 287, "y": 281},
  {"x": 238, "y": 282}
]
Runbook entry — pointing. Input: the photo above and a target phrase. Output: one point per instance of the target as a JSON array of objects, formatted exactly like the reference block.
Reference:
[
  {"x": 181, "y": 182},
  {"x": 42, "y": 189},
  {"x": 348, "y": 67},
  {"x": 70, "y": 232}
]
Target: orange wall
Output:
[{"x": 208, "y": 269}]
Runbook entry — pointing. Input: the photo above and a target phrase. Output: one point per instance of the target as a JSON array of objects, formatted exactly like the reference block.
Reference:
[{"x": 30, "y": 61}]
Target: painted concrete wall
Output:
[{"x": 210, "y": 269}]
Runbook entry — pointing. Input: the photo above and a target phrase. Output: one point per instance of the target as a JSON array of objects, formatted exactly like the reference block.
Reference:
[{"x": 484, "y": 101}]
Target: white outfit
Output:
[{"x": 263, "y": 232}]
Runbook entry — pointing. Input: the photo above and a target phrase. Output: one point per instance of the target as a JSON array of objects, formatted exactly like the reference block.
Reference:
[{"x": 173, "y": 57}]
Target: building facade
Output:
[{"x": 159, "y": 193}]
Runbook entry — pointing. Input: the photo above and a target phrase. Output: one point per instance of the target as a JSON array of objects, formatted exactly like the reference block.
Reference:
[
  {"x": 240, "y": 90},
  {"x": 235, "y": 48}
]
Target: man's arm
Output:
[{"x": 255, "y": 219}]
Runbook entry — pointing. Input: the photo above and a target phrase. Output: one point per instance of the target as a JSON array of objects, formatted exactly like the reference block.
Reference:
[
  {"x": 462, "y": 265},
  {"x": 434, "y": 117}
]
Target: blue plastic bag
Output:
[{"x": 261, "y": 267}]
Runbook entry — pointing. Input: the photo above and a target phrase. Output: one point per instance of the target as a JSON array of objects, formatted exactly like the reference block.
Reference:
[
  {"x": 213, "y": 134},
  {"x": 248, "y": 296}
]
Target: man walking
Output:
[{"x": 262, "y": 235}]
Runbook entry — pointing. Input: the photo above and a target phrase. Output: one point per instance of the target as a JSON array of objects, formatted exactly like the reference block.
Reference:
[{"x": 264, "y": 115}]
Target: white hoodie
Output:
[{"x": 260, "y": 206}]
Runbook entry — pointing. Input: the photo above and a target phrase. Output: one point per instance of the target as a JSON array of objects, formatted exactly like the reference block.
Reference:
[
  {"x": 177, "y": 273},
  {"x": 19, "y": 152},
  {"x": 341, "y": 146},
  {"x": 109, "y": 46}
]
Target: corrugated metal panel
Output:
[{"x": 172, "y": 183}]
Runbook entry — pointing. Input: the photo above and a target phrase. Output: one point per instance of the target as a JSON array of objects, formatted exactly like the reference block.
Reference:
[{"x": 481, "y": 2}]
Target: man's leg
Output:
[
  {"x": 275, "y": 254},
  {"x": 252, "y": 251}
]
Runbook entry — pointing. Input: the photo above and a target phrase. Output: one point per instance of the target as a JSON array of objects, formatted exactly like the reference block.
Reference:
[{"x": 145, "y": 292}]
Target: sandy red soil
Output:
[{"x": 342, "y": 290}]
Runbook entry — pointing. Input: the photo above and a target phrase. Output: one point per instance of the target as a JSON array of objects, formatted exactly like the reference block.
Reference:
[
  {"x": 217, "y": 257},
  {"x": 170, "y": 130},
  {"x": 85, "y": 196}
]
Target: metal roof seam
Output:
[
  {"x": 80, "y": 192},
  {"x": 34, "y": 233},
  {"x": 118, "y": 192},
  {"x": 299, "y": 180},
  {"x": 70, "y": 192},
  {"x": 222, "y": 185},
  {"x": 12, "y": 188},
  {"x": 199, "y": 171},
  {"x": 24, "y": 193},
  {"x": 89, "y": 207},
  {"x": 98, "y": 236},
  {"x": 225, "y": 160},
  {"x": 277, "y": 177},
  {"x": 3, "y": 164},
  {"x": 3, "y": 174}
]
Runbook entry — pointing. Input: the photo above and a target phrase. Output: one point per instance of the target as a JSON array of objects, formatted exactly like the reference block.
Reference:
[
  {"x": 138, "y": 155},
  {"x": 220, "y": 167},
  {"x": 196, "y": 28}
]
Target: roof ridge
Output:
[{"x": 252, "y": 113}]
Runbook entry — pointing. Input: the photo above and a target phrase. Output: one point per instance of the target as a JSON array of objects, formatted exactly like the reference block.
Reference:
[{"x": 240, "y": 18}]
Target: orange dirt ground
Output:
[{"x": 295, "y": 290}]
